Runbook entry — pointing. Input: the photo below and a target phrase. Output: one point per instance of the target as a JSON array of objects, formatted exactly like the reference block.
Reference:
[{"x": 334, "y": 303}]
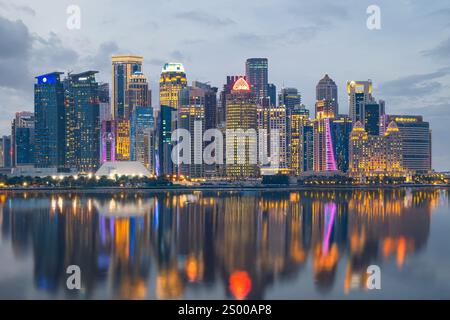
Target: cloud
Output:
[
  {"x": 442, "y": 51},
  {"x": 18, "y": 8},
  {"x": 414, "y": 85},
  {"x": 157, "y": 62},
  {"x": 204, "y": 18},
  {"x": 178, "y": 55}
]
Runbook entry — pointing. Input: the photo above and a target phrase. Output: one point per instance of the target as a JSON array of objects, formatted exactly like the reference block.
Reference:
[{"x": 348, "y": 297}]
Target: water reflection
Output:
[{"x": 237, "y": 245}]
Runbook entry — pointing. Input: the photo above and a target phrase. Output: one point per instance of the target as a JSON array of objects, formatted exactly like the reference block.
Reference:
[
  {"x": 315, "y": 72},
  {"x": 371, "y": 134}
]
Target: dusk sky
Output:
[{"x": 408, "y": 60}]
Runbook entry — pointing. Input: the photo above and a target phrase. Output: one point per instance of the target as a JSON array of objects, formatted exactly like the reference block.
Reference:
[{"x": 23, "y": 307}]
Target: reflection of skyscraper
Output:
[
  {"x": 123, "y": 68},
  {"x": 50, "y": 116}
]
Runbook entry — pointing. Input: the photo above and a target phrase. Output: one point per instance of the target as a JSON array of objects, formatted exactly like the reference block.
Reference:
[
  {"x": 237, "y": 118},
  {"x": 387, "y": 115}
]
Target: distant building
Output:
[
  {"x": 341, "y": 127},
  {"x": 257, "y": 74},
  {"x": 416, "y": 140},
  {"x": 22, "y": 139},
  {"x": 277, "y": 120},
  {"x": 372, "y": 115},
  {"x": 166, "y": 122},
  {"x": 272, "y": 94},
  {"x": 122, "y": 140},
  {"x": 289, "y": 98},
  {"x": 50, "y": 118},
  {"x": 5, "y": 152},
  {"x": 210, "y": 96},
  {"x": 296, "y": 139},
  {"x": 241, "y": 117},
  {"x": 221, "y": 110}
]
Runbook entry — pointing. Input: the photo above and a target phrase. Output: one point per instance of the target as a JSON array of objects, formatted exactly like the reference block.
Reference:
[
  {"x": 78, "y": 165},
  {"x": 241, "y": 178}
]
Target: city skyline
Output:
[{"x": 414, "y": 86}]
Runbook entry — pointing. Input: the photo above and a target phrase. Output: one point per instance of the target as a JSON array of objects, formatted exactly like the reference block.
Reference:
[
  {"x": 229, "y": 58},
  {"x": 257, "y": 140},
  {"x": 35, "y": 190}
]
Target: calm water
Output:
[{"x": 227, "y": 245}]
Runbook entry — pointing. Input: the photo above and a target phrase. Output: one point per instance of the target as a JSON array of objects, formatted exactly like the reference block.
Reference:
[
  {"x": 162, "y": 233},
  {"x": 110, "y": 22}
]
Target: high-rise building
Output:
[
  {"x": 297, "y": 119},
  {"x": 341, "y": 128},
  {"x": 211, "y": 112},
  {"x": 82, "y": 132},
  {"x": 172, "y": 80},
  {"x": 50, "y": 114},
  {"x": 22, "y": 139},
  {"x": 272, "y": 94},
  {"x": 108, "y": 141},
  {"x": 241, "y": 118},
  {"x": 290, "y": 98},
  {"x": 142, "y": 123},
  {"x": 257, "y": 73},
  {"x": 359, "y": 94},
  {"x": 324, "y": 158},
  {"x": 122, "y": 140},
  {"x": 5, "y": 152},
  {"x": 416, "y": 141},
  {"x": 138, "y": 93},
  {"x": 277, "y": 120},
  {"x": 221, "y": 110},
  {"x": 375, "y": 156},
  {"x": 191, "y": 117},
  {"x": 164, "y": 164},
  {"x": 372, "y": 115},
  {"x": 123, "y": 69},
  {"x": 327, "y": 96}
]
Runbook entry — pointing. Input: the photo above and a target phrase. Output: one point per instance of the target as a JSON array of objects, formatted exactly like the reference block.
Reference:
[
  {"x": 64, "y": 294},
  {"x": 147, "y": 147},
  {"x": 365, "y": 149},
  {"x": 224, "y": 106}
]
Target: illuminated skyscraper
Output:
[
  {"x": 172, "y": 80},
  {"x": 241, "y": 148},
  {"x": 221, "y": 110},
  {"x": 104, "y": 102},
  {"x": 324, "y": 159},
  {"x": 277, "y": 120},
  {"x": 82, "y": 122},
  {"x": 123, "y": 69},
  {"x": 138, "y": 93},
  {"x": 191, "y": 117},
  {"x": 359, "y": 93},
  {"x": 327, "y": 96},
  {"x": 22, "y": 139},
  {"x": 50, "y": 117},
  {"x": 416, "y": 141},
  {"x": 210, "y": 104},
  {"x": 296, "y": 140},
  {"x": 341, "y": 128},
  {"x": 257, "y": 73},
  {"x": 5, "y": 152}
]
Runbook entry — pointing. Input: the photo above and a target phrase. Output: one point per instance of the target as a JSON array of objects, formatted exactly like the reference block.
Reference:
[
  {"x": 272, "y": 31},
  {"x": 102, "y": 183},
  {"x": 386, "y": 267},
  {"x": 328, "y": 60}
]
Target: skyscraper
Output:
[
  {"x": 416, "y": 142},
  {"x": 221, "y": 110},
  {"x": 257, "y": 73},
  {"x": 108, "y": 141},
  {"x": 138, "y": 93},
  {"x": 241, "y": 118},
  {"x": 22, "y": 139},
  {"x": 122, "y": 140},
  {"x": 210, "y": 103},
  {"x": 372, "y": 115},
  {"x": 123, "y": 69},
  {"x": 341, "y": 128},
  {"x": 324, "y": 158},
  {"x": 297, "y": 120},
  {"x": 5, "y": 152},
  {"x": 359, "y": 93},
  {"x": 82, "y": 122},
  {"x": 142, "y": 123},
  {"x": 191, "y": 117},
  {"x": 104, "y": 102},
  {"x": 49, "y": 113},
  {"x": 289, "y": 97},
  {"x": 272, "y": 94},
  {"x": 164, "y": 163},
  {"x": 327, "y": 97},
  {"x": 172, "y": 80}
]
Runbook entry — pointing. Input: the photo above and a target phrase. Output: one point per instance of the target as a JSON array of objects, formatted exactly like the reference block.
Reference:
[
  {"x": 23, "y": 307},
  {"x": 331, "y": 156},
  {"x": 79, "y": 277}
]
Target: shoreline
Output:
[{"x": 184, "y": 189}]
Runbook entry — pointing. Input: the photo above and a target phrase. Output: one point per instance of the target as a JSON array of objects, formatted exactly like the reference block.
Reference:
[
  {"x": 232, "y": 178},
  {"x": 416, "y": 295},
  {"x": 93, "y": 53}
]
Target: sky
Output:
[{"x": 408, "y": 59}]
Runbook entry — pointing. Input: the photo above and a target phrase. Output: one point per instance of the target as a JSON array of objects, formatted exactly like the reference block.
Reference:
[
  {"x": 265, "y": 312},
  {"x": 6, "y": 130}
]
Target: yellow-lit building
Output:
[
  {"x": 241, "y": 117},
  {"x": 172, "y": 80},
  {"x": 298, "y": 144},
  {"x": 375, "y": 156},
  {"x": 122, "y": 140}
]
